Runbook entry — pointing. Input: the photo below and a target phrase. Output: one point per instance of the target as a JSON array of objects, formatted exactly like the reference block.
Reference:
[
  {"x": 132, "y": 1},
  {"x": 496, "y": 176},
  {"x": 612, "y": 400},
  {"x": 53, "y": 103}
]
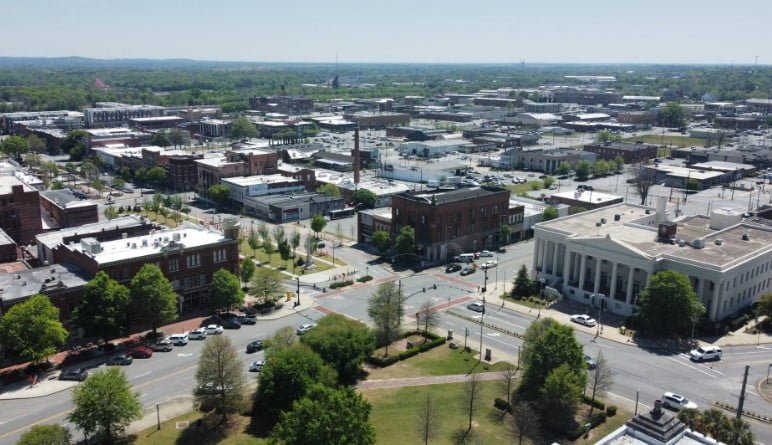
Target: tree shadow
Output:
[{"x": 207, "y": 430}]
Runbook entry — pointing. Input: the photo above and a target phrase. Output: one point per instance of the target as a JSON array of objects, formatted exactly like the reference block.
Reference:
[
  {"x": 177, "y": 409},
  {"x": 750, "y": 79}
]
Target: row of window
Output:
[
  {"x": 189, "y": 282},
  {"x": 194, "y": 260}
]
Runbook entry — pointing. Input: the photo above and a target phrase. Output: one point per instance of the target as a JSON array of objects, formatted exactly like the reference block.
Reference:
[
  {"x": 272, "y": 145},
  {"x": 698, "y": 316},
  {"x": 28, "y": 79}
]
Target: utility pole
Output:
[
  {"x": 298, "y": 281},
  {"x": 742, "y": 394}
]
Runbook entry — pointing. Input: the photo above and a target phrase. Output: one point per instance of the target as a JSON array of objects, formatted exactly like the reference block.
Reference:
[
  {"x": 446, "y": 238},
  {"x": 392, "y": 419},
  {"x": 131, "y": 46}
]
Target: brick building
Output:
[
  {"x": 66, "y": 210},
  {"x": 181, "y": 168},
  {"x": 19, "y": 210},
  {"x": 8, "y": 250},
  {"x": 293, "y": 105},
  {"x": 210, "y": 171},
  {"x": 453, "y": 222},
  {"x": 188, "y": 256},
  {"x": 631, "y": 152}
]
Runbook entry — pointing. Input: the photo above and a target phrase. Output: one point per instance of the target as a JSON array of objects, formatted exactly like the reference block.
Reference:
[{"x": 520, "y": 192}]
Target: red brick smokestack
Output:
[{"x": 356, "y": 157}]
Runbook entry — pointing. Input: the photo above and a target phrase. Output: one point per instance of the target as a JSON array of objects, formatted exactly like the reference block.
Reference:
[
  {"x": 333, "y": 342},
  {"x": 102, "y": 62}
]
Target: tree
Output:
[
  {"x": 75, "y": 140},
  {"x": 428, "y": 317},
  {"x": 690, "y": 417},
  {"x": 406, "y": 242},
  {"x": 156, "y": 177},
  {"x": 342, "y": 343},
  {"x": 243, "y": 128},
  {"x": 765, "y": 304},
  {"x": 177, "y": 137},
  {"x": 508, "y": 377},
  {"x": 265, "y": 233},
  {"x": 104, "y": 311},
  {"x": 294, "y": 241},
  {"x": 559, "y": 395},
  {"x": 247, "y": 270},
  {"x": 523, "y": 284},
  {"x": 583, "y": 170},
  {"x": 317, "y": 224},
  {"x": 548, "y": 181},
  {"x": 32, "y": 329},
  {"x": 282, "y": 338},
  {"x": 266, "y": 284},
  {"x": 386, "y": 309},
  {"x": 219, "y": 194},
  {"x": 287, "y": 375},
  {"x": 118, "y": 183},
  {"x": 601, "y": 378},
  {"x": 45, "y": 435},
  {"x": 329, "y": 189},
  {"x": 15, "y": 146},
  {"x": 428, "y": 420},
  {"x": 672, "y": 115},
  {"x": 714, "y": 423},
  {"x": 563, "y": 169},
  {"x": 550, "y": 212},
  {"x": 472, "y": 389},
  {"x": 268, "y": 248},
  {"x": 738, "y": 432},
  {"x": 382, "y": 241},
  {"x": 110, "y": 212},
  {"x": 669, "y": 305},
  {"x": 226, "y": 290},
  {"x": 619, "y": 164},
  {"x": 364, "y": 199},
  {"x": 326, "y": 416},
  {"x": 643, "y": 178},
  {"x": 253, "y": 241},
  {"x": 504, "y": 232},
  {"x": 607, "y": 136},
  {"x": 220, "y": 377},
  {"x": 601, "y": 168},
  {"x": 555, "y": 346},
  {"x": 160, "y": 139},
  {"x": 692, "y": 184},
  {"x": 35, "y": 143},
  {"x": 153, "y": 298},
  {"x": 105, "y": 404},
  {"x": 525, "y": 422}
]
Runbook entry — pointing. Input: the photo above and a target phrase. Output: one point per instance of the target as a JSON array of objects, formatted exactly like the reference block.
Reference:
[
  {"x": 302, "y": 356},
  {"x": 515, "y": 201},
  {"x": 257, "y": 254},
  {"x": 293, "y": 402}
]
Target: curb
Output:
[
  {"x": 487, "y": 325},
  {"x": 749, "y": 414},
  {"x": 40, "y": 395}
]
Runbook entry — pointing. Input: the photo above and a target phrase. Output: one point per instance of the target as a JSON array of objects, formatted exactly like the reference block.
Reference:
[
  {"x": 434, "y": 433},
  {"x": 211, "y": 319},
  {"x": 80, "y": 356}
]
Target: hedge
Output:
[
  {"x": 575, "y": 434},
  {"x": 436, "y": 340},
  {"x": 382, "y": 362},
  {"x": 431, "y": 344},
  {"x": 597, "y": 419},
  {"x": 587, "y": 400},
  {"x": 611, "y": 410},
  {"x": 339, "y": 284},
  {"x": 502, "y": 404},
  {"x": 364, "y": 279},
  {"x": 408, "y": 353}
]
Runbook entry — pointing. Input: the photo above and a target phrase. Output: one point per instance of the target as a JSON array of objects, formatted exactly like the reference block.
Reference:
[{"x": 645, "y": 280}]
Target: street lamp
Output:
[
  {"x": 298, "y": 281},
  {"x": 496, "y": 286}
]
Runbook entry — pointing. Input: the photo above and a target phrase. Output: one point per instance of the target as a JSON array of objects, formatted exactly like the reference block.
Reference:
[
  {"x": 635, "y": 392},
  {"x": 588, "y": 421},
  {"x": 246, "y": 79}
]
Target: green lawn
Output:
[
  {"x": 394, "y": 414},
  {"x": 527, "y": 187},
  {"x": 438, "y": 361},
  {"x": 276, "y": 261},
  {"x": 169, "y": 434},
  {"x": 527, "y": 303},
  {"x": 676, "y": 141}
]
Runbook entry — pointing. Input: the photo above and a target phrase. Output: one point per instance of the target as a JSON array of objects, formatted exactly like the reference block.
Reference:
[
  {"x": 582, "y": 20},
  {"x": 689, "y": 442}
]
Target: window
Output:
[
  {"x": 174, "y": 264},
  {"x": 219, "y": 255},
  {"x": 194, "y": 260},
  {"x": 202, "y": 279}
]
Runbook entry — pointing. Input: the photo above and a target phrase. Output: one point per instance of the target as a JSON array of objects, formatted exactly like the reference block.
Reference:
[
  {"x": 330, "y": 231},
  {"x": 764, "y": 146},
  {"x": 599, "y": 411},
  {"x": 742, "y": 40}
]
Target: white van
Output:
[
  {"x": 465, "y": 258},
  {"x": 179, "y": 339}
]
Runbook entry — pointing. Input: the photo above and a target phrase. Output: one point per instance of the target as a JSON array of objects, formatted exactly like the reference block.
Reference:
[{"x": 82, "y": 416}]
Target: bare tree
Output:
[
  {"x": 282, "y": 338},
  {"x": 471, "y": 395},
  {"x": 600, "y": 378},
  {"x": 428, "y": 317},
  {"x": 508, "y": 376},
  {"x": 644, "y": 178},
  {"x": 525, "y": 422},
  {"x": 427, "y": 420}
]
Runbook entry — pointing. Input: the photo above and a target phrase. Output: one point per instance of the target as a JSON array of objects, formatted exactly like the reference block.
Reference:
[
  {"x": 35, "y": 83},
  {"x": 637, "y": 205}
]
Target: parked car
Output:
[
  {"x": 677, "y": 402},
  {"x": 591, "y": 363},
  {"x": 502, "y": 250},
  {"x": 477, "y": 255},
  {"x": 120, "y": 360},
  {"x": 213, "y": 329},
  {"x": 77, "y": 374},
  {"x": 179, "y": 339},
  {"x": 486, "y": 253},
  {"x": 476, "y": 306},
  {"x": 467, "y": 271},
  {"x": 303, "y": 328},
  {"x": 197, "y": 334},
  {"x": 489, "y": 264},
  {"x": 247, "y": 319},
  {"x": 702, "y": 354},
  {"x": 232, "y": 323},
  {"x": 583, "y": 319},
  {"x": 254, "y": 346},
  {"x": 453, "y": 268},
  {"x": 163, "y": 345},
  {"x": 141, "y": 352},
  {"x": 256, "y": 366}
]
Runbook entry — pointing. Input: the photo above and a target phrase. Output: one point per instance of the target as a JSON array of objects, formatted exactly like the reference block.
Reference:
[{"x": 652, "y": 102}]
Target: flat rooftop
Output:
[
  {"x": 637, "y": 230},
  {"x": 246, "y": 181},
  {"x": 190, "y": 236},
  {"x": 26, "y": 283},
  {"x": 686, "y": 172},
  {"x": 7, "y": 182},
  {"x": 53, "y": 239},
  {"x": 724, "y": 166},
  {"x": 381, "y": 212},
  {"x": 462, "y": 194},
  {"x": 591, "y": 197}
]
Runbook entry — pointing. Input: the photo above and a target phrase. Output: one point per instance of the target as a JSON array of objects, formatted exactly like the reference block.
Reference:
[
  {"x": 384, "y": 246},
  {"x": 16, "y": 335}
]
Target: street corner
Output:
[{"x": 26, "y": 390}]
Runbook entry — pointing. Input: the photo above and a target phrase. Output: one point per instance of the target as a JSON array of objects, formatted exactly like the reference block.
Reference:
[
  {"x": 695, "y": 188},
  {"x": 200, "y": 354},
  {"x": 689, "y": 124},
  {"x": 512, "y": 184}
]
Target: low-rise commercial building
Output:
[
  {"x": 242, "y": 187},
  {"x": 63, "y": 209},
  {"x": 631, "y": 152},
  {"x": 585, "y": 199},
  {"x": 250, "y": 162},
  {"x": 372, "y": 220},
  {"x": 112, "y": 114},
  {"x": 19, "y": 210},
  {"x": 284, "y": 208},
  {"x": 606, "y": 257}
]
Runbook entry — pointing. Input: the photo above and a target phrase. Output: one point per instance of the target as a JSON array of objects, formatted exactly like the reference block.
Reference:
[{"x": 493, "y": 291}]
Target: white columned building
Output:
[{"x": 607, "y": 256}]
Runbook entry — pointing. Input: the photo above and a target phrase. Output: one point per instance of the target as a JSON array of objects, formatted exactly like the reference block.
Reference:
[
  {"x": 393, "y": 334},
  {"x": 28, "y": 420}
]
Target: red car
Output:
[{"x": 142, "y": 352}]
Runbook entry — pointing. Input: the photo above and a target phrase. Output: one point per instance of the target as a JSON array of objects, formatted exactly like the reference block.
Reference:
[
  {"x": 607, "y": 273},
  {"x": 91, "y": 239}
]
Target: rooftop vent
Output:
[
  {"x": 698, "y": 244},
  {"x": 719, "y": 241},
  {"x": 746, "y": 237},
  {"x": 681, "y": 243},
  {"x": 598, "y": 224},
  {"x": 603, "y": 220},
  {"x": 617, "y": 217}
]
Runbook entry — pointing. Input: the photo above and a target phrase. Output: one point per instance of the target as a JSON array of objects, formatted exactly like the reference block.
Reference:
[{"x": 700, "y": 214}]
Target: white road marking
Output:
[
  {"x": 692, "y": 367},
  {"x": 630, "y": 400},
  {"x": 184, "y": 355},
  {"x": 143, "y": 375},
  {"x": 494, "y": 334},
  {"x": 8, "y": 420},
  {"x": 745, "y": 353}
]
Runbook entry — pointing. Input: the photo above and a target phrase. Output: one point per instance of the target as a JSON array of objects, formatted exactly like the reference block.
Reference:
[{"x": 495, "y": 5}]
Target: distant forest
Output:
[{"x": 71, "y": 83}]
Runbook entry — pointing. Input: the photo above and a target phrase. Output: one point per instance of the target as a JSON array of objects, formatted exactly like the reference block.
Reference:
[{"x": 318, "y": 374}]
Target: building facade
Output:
[
  {"x": 631, "y": 152},
  {"x": 67, "y": 210},
  {"x": 19, "y": 210}
]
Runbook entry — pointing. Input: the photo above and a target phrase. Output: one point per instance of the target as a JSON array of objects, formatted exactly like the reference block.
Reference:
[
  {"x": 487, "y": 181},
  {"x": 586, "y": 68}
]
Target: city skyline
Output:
[{"x": 604, "y": 32}]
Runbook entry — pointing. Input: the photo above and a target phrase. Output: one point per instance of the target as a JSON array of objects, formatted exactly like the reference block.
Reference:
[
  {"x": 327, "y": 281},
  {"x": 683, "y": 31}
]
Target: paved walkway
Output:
[{"x": 423, "y": 381}]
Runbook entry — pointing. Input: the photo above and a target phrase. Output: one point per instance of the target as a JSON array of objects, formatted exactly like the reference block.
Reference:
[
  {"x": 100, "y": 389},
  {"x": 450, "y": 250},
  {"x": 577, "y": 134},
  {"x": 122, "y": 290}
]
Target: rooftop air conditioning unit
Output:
[
  {"x": 746, "y": 237},
  {"x": 719, "y": 241}
]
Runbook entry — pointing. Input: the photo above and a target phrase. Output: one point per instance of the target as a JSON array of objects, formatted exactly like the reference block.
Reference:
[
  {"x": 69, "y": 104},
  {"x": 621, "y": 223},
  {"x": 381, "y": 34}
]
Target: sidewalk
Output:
[{"x": 423, "y": 381}]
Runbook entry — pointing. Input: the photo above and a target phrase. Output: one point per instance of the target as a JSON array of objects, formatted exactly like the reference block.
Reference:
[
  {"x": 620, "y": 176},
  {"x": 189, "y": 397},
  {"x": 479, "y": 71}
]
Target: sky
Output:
[{"x": 416, "y": 31}]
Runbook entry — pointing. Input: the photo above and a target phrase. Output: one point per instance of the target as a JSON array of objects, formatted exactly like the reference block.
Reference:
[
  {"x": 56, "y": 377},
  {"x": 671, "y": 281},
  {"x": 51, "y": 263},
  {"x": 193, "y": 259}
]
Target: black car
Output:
[
  {"x": 591, "y": 363},
  {"x": 453, "y": 268},
  {"x": 120, "y": 360},
  {"x": 78, "y": 374},
  {"x": 467, "y": 271},
  {"x": 247, "y": 319},
  {"x": 254, "y": 346},
  {"x": 232, "y": 323}
]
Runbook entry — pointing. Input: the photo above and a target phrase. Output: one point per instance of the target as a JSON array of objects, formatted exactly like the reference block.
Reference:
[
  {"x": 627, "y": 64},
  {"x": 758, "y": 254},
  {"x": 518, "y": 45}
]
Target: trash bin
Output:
[
  {"x": 487, "y": 354},
  {"x": 450, "y": 334},
  {"x": 622, "y": 330}
]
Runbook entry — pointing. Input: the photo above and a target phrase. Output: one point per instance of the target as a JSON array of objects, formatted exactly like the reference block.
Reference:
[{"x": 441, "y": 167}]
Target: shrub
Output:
[
  {"x": 597, "y": 419},
  {"x": 501, "y": 404},
  {"x": 611, "y": 410},
  {"x": 575, "y": 434},
  {"x": 364, "y": 279},
  {"x": 431, "y": 344},
  {"x": 339, "y": 284},
  {"x": 593, "y": 402},
  {"x": 408, "y": 353},
  {"x": 382, "y": 361}
]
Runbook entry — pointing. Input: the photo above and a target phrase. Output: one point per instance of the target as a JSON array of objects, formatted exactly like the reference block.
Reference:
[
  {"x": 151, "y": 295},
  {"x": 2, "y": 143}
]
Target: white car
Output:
[
  {"x": 303, "y": 328},
  {"x": 197, "y": 334},
  {"x": 213, "y": 329},
  {"x": 489, "y": 264},
  {"x": 705, "y": 353},
  {"x": 583, "y": 319},
  {"x": 179, "y": 339},
  {"x": 486, "y": 253},
  {"x": 677, "y": 402},
  {"x": 256, "y": 366}
]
